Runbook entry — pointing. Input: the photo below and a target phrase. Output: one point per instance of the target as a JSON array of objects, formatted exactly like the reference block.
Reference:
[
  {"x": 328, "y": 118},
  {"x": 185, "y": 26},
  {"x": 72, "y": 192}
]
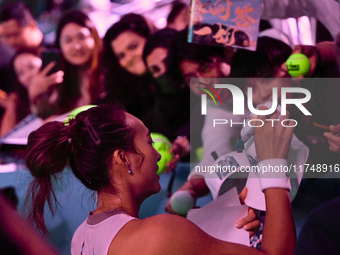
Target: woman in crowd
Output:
[
  {"x": 179, "y": 16},
  {"x": 127, "y": 81},
  {"x": 81, "y": 49},
  {"x": 26, "y": 64},
  {"x": 16, "y": 104},
  {"x": 171, "y": 113},
  {"x": 186, "y": 61},
  {"x": 267, "y": 62},
  {"x": 111, "y": 152}
]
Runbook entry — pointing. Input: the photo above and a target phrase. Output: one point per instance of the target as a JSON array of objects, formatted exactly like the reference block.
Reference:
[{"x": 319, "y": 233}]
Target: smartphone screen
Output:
[{"x": 48, "y": 56}]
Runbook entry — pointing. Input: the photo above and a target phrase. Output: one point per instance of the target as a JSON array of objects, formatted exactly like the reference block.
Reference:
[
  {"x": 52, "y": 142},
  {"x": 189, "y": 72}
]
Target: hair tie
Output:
[{"x": 91, "y": 131}]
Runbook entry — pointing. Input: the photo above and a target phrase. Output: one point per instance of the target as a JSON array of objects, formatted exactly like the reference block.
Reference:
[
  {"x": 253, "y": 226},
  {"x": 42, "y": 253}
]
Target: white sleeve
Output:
[
  {"x": 327, "y": 11},
  {"x": 218, "y": 139}
]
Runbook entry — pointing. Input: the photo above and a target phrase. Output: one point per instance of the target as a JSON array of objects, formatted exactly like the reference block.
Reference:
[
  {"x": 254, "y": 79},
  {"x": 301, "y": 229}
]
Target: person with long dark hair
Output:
[
  {"x": 127, "y": 81},
  {"x": 24, "y": 65},
  {"x": 80, "y": 60}
]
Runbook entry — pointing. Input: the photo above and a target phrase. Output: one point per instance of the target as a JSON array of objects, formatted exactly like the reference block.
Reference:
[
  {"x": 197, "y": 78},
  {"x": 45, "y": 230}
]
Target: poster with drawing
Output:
[{"x": 232, "y": 23}]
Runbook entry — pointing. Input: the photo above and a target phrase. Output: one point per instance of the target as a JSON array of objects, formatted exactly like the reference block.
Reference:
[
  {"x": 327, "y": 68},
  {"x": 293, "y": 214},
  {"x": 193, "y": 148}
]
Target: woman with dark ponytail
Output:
[
  {"x": 111, "y": 152},
  {"x": 51, "y": 146}
]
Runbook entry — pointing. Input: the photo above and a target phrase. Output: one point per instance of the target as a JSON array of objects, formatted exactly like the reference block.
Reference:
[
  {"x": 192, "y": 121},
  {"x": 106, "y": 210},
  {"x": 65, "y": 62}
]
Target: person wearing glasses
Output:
[{"x": 186, "y": 61}]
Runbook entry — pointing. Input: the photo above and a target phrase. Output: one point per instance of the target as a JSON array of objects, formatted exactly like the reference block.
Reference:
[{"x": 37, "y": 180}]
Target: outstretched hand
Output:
[
  {"x": 312, "y": 54},
  {"x": 180, "y": 148},
  {"x": 41, "y": 82},
  {"x": 185, "y": 187}
]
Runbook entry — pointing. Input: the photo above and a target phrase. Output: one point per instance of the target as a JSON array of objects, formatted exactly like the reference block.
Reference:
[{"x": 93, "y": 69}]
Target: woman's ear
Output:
[{"x": 120, "y": 157}]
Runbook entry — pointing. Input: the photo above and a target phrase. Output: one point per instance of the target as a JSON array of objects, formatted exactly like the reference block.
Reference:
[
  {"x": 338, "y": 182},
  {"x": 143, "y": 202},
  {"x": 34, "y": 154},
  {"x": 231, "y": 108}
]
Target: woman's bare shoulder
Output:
[{"x": 165, "y": 234}]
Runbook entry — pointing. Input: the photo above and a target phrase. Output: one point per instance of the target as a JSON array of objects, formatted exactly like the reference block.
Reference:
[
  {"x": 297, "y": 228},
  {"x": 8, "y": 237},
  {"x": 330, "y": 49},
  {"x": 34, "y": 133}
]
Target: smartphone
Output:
[{"x": 50, "y": 55}]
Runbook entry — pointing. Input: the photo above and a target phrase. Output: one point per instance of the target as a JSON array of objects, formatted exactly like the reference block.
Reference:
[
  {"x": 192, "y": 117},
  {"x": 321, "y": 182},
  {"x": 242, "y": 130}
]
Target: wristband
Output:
[{"x": 271, "y": 174}]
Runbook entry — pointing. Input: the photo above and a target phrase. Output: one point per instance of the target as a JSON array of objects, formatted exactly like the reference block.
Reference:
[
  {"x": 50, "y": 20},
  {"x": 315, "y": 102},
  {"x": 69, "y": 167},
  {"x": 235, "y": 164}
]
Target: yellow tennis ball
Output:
[
  {"x": 163, "y": 146},
  {"x": 298, "y": 65},
  {"x": 75, "y": 111}
]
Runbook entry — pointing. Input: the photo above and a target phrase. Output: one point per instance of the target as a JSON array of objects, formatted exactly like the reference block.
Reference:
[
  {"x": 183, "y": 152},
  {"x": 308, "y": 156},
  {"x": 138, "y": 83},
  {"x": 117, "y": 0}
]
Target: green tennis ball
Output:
[
  {"x": 75, "y": 111},
  {"x": 181, "y": 202},
  {"x": 199, "y": 153},
  {"x": 298, "y": 65},
  {"x": 162, "y": 145}
]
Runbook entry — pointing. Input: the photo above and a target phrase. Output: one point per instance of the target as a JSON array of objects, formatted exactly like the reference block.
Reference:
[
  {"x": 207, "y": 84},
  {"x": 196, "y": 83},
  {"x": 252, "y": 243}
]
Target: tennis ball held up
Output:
[
  {"x": 163, "y": 146},
  {"x": 181, "y": 202},
  {"x": 298, "y": 65}
]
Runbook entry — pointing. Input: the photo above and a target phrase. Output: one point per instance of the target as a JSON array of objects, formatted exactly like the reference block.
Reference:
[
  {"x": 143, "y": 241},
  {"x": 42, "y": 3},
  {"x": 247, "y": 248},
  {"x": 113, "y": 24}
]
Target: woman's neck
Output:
[{"x": 110, "y": 202}]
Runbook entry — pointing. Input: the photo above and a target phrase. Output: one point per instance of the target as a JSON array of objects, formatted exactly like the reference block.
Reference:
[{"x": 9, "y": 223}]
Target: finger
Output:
[
  {"x": 285, "y": 116},
  {"x": 56, "y": 78},
  {"x": 313, "y": 64},
  {"x": 285, "y": 122},
  {"x": 327, "y": 134},
  {"x": 252, "y": 225},
  {"x": 48, "y": 68},
  {"x": 332, "y": 138},
  {"x": 275, "y": 115},
  {"x": 284, "y": 67},
  {"x": 172, "y": 164},
  {"x": 297, "y": 49},
  {"x": 334, "y": 147},
  {"x": 169, "y": 209},
  {"x": 262, "y": 117},
  {"x": 286, "y": 128},
  {"x": 251, "y": 216},
  {"x": 176, "y": 147},
  {"x": 304, "y": 49},
  {"x": 242, "y": 196},
  {"x": 174, "y": 150},
  {"x": 169, "y": 168},
  {"x": 335, "y": 129},
  {"x": 279, "y": 128},
  {"x": 174, "y": 160}
]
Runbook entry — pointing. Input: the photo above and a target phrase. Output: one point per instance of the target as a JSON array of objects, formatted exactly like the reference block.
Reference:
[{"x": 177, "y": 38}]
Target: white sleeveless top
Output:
[{"x": 95, "y": 234}]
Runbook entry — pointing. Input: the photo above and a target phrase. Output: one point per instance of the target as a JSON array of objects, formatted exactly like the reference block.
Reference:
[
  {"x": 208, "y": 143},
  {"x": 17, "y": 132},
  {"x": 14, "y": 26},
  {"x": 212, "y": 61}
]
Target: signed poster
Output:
[{"x": 232, "y": 23}]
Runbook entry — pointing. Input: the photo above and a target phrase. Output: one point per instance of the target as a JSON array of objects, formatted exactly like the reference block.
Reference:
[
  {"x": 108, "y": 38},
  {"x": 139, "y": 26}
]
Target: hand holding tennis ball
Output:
[
  {"x": 298, "y": 65},
  {"x": 181, "y": 202}
]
